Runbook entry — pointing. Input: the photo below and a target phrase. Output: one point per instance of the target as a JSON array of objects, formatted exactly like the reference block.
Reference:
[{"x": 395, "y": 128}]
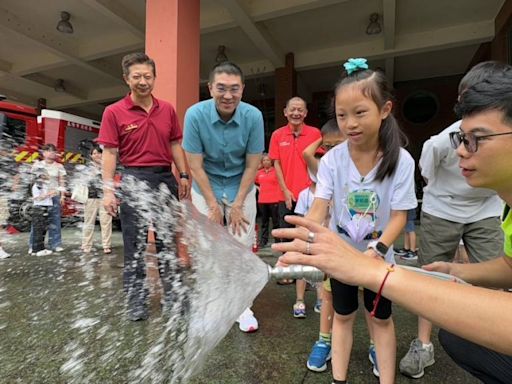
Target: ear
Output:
[
  {"x": 386, "y": 109},
  {"x": 125, "y": 78},
  {"x": 210, "y": 88}
]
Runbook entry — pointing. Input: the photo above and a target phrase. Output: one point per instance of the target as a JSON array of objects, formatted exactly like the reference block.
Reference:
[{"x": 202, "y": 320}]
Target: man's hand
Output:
[
  {"x": 184, "y": 189},
  {"x": 215, "y": 213},
  {"x": 62, "y": 198},
  {"x": 110, "y": 202},
  {"x": 288, "y": 199},
  {"x": 237, "y": 221}
]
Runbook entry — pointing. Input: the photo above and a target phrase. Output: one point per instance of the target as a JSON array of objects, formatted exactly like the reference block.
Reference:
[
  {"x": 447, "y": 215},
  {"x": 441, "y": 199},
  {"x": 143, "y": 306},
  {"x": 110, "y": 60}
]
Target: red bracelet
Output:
[{"x": 390, "y": 268}]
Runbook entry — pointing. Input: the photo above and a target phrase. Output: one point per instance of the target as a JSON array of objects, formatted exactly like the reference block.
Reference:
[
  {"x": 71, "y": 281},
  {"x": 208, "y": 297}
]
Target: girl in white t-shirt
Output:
[{"x": 370, "y": 180}]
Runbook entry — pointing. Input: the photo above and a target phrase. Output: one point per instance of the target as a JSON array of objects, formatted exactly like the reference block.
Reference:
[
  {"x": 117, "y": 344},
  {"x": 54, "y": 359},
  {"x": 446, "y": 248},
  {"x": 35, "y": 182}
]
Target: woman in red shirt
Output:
[{"x": 269, "y": 196}]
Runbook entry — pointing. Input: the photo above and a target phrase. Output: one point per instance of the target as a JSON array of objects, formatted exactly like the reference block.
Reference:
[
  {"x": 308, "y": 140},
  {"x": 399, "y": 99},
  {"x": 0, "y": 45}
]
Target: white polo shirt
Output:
[{"x": 447, "y": 195}]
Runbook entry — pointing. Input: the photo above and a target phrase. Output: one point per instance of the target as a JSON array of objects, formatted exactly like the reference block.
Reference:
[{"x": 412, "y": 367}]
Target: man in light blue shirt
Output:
[{"x": 223, "y": 139}]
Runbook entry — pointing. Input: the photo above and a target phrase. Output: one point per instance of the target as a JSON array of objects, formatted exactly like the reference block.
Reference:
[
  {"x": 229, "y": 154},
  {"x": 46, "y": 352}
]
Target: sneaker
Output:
[
  {"x": 401, "y": 251},
  {"x": 58, "y": 249},
  {"x": 320, "y": 354},
  {"x": 372, "y": 356},
  {"x": 299, "y": 310},
  {"x": 247, "y": 322},
  {"x": 410, "y": 255},
  {"x": 3, "y": 254},
  {"x": 318, "y": 306},
  {"x": 139, "y": 313},
  {"x": 30, "y": 251},
  {"x": 44, "y": 252},
  {"x": 417, "y": 359}
]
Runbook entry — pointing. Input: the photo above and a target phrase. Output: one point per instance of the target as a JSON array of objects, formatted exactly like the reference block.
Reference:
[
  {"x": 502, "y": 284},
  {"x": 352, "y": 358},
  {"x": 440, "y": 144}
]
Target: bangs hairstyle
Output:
[
  {"x": 374, "y": 85},
  {"x": 136, "y": 58},
  {"x": 226, "y": 67},
  {"x": 493, "y": 93}
]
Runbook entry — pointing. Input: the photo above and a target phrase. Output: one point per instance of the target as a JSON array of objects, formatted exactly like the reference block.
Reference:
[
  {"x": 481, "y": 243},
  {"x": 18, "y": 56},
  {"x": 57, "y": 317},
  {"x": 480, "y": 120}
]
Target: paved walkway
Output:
[{"x": 40, "y": 297}]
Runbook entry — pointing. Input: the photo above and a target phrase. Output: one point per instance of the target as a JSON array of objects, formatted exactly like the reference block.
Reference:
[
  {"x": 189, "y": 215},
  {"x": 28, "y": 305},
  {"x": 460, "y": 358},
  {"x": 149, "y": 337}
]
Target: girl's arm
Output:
[
  {"x": 309, "y": 156},
  {"x": 394, "y": 227}
]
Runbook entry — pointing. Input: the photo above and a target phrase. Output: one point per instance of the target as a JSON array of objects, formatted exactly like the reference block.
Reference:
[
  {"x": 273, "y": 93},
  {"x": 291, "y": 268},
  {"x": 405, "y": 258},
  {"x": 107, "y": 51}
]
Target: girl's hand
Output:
[{"x": 439, "y": 266}]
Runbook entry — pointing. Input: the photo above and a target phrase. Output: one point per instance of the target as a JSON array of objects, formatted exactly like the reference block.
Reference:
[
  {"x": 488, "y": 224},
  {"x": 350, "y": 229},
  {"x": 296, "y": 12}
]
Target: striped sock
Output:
[{"x": 325, "y": 337}]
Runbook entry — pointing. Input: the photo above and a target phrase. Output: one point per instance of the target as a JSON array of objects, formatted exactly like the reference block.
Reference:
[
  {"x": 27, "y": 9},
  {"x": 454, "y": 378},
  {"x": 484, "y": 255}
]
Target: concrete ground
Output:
[{"x": 39, "y": 297}]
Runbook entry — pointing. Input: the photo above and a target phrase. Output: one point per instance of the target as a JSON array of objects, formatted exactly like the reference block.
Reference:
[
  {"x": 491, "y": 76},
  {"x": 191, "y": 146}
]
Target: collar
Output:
[
  {"x": 291, "y": 132},
  {"x": 215, "y": 117},
  {"x": 130, "y": 105}
]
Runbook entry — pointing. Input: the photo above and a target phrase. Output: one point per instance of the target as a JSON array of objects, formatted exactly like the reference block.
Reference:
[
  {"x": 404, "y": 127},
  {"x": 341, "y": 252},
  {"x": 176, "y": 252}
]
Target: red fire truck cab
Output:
[{"x": 72, "y": 135}]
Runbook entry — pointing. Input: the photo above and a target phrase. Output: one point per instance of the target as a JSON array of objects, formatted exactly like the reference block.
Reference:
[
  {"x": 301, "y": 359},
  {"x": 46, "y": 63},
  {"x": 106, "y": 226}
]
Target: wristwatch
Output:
[
  {"x": 380, "y": 248},
  {"x": 184, "y": 175}
]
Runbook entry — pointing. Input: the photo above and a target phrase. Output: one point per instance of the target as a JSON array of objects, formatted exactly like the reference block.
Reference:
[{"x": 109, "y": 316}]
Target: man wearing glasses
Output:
[
  {"x": 452, "y": 210},
  {"x": 223, "y": 140}
]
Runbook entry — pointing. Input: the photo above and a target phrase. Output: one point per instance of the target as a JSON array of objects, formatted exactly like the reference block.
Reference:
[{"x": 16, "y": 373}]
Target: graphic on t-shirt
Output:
[{"x": 362, "y": 206}]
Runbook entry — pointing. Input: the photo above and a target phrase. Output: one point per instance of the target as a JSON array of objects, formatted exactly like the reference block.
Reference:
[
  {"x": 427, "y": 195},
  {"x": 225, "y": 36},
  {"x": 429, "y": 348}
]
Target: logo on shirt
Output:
[
  {"x": 284, "y": 143},
  {"x": 131, "y": 127}
]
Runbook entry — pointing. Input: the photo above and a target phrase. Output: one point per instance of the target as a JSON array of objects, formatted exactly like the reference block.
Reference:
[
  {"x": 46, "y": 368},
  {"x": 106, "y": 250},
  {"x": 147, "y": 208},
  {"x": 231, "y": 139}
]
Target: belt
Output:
[
  {"x": 152, "y": 168},
  {"x": 371, "y": 236}
]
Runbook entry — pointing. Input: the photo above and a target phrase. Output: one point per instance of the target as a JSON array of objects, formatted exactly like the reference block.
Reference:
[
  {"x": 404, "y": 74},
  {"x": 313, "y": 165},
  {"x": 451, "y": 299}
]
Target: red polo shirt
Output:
[
  {"x": 270, "y": 192},
  {"x": 288, "y": 149},
  {"x": 142, "y": 138}
]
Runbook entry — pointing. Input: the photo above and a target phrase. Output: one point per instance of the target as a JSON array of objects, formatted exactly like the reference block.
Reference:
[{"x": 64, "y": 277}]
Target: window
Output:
[
  {"x": 420, "y": 107},
  {"x": 13, "y": 130}
]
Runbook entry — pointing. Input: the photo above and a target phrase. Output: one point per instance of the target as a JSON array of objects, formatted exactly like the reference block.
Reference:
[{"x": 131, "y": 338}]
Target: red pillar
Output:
[
  {"x": 286, "y": 88},
  {"x": 172, "y": 40}
]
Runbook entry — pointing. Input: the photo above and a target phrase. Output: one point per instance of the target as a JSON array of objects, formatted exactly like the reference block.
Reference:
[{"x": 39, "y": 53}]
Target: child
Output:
[
  {"x": 303, "y": 204},
  {"x": 42, "y": 202},
  {"x": 409, "y": 251},
  {"x": 321, "y": 351},
  {"x": 268, "y": 198},
  {"x": 370, "y": 180}
]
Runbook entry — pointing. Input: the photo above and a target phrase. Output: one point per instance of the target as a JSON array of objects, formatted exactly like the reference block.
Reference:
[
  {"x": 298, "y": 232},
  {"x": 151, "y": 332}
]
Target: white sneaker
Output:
[
  {"x": 247, "y": 322},
  {"x": 44, "y": 252},
  {"x": 30, "y": 251},
  {"x": 3, "y": 254},
  {"x": 58, "y": 249}
]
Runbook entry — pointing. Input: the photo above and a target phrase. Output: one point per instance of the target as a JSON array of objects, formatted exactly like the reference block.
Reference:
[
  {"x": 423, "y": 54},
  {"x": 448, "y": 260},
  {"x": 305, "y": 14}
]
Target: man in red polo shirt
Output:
[
  {"x": 145, "y": 133},
  {"x": 286, "y": 147}
]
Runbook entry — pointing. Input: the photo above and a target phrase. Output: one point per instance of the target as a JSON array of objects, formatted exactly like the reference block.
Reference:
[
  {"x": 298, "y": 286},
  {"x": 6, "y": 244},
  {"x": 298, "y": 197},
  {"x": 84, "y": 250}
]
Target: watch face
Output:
[{"x": 382, "y": 248}]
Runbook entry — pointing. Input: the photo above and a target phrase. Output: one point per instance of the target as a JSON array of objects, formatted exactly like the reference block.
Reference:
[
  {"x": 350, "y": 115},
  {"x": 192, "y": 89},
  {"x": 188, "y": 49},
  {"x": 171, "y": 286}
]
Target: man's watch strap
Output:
[{"x": 184, "y": 175}]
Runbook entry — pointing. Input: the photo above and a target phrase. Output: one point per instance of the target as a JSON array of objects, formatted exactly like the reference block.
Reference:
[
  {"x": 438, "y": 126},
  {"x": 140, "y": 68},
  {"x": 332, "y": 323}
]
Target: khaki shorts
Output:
[
  {"x": 439, "y": 239},
  {"x": 4, "y": 210}
]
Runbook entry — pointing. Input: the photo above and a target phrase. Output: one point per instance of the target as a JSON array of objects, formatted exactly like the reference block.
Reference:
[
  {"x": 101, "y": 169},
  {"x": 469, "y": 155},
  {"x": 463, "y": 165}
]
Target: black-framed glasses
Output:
[{"x": 470, "y": 140}]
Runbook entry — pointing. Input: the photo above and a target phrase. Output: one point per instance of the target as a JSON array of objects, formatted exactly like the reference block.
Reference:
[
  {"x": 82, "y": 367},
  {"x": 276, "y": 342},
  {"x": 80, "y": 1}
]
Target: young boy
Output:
[{"x": 42, "y": 202}]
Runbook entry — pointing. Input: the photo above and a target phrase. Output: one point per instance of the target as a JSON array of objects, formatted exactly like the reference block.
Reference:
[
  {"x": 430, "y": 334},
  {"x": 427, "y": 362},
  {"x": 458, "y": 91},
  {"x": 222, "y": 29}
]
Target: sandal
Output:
[{"x": 106, "y": 251}]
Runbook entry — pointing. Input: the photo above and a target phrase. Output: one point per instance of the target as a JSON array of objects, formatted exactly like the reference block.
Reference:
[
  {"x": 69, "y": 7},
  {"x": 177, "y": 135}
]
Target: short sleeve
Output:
[
  {"x": 404, "y": 195},
  {"x": 176, "y": 133},
  {"x": 301, "y": 206},
  {"x": 256, "y": 142},
  {"x": 191, "y": 139},
  {"x": 109, "y": 135},
  {"x": 325, "y": 178},
  {"x": 62, "y": 170},
  {"x": 273, "y": 151}
]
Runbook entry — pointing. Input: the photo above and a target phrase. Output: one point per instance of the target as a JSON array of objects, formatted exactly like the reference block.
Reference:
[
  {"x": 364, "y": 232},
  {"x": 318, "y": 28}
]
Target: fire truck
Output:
[{"x": 28, "y": 131}]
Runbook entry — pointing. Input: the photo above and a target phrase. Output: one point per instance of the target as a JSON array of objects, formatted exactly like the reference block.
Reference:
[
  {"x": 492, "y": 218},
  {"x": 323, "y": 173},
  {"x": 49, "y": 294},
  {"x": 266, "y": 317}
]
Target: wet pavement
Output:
[{"x": 41, "y": 299}]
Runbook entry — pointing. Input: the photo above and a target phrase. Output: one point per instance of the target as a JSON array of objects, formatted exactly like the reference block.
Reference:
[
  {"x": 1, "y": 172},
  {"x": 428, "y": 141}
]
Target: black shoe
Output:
[{"x": 137, "y": 314}]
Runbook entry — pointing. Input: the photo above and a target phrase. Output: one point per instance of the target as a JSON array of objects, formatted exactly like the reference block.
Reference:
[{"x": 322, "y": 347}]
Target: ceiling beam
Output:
[
  {"x": 95, "y": 96},
  {"x": 389, "y": 21},
  {"x": 266, "y": 10},
  {"x": 11, "y": 23},
  {"x": 258, "y": 35},
  {"x": 70, "y": 89},
  {"x": 434, "y": 40},
  {"x": 120, "y": 15},
  {"x": 18, "y": 97}
]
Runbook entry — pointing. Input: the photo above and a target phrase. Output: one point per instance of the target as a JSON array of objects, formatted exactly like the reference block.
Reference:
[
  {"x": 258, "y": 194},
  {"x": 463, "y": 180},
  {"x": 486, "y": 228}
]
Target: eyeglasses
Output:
[
  {"x": 470, "y": 140},
  {"x": 234, "y": 90}
]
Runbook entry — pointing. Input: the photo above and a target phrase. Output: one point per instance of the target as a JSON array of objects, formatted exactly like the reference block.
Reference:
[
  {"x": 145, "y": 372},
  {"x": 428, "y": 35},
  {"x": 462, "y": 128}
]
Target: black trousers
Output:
[
  {"x": 40, "y": 220},
  {"x": 486, "y": 365},
  {"x": 283, "y": 211},
  {"x": 268, "y": 211},
  {"x": 146, "y": 193}
]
